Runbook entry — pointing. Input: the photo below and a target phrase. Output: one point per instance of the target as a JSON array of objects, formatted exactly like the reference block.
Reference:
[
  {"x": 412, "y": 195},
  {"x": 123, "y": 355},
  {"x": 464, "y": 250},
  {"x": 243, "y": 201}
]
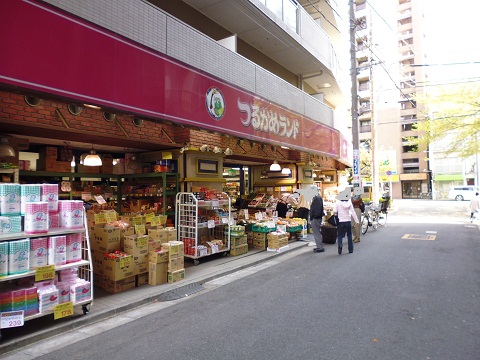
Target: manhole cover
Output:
[
  {"x": 180, "y": 292},
  {"x": 419, "y": 237}
]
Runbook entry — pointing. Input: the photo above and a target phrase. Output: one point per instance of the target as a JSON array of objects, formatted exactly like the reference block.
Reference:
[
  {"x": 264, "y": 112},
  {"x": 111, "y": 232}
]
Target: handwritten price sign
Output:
[
  {"x": 63, "y": 310},
  {"x": 46, "y": 272}
]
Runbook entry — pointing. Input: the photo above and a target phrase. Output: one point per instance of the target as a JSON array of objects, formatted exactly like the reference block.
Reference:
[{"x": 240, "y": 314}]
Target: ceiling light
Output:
[
  {"x": 92, "y": 159},
  {"x": 286, "y": 171},
  {"x": 275, "y": 166},
  {"x": 5, "y": 149},
  {"x": 92, "y": 106}
]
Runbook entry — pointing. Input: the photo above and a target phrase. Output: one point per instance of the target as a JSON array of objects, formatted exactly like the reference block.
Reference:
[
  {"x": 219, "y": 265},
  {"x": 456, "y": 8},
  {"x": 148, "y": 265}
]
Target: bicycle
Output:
[
  {"x": 369, "y": 219},
  {"x": 381, "y": 214}
]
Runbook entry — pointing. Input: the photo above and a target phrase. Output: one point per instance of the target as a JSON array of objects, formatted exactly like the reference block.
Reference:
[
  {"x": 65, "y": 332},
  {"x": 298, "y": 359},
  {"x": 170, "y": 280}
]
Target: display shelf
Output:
[
  {"x": 195, "y": 229},
  {"x": 45, "y": 313},
  {"x": 32, "y": 272},
  {"x": 13, "y": 172},
  {"x": 167, "y": 185},
  {"x": 52, "y": 232},
  {"x": 84, "y": 266}
]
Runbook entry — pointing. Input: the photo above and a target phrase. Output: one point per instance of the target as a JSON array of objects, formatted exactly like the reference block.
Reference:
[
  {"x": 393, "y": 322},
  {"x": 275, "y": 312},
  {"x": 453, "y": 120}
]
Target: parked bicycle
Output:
[
  {"x": 374, "y": 216},
  {"x": 369, "y": 219}
]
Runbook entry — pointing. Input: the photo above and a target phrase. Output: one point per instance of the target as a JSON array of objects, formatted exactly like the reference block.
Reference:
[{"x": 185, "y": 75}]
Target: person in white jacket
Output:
[
  {"x": 343, "y": 208},
  {"x": 474, "y": 206}
]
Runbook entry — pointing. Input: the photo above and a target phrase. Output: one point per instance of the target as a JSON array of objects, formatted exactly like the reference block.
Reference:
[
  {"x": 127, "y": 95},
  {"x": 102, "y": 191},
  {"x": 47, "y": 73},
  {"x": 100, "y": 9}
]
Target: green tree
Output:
[{"x": 453, "y": 112}]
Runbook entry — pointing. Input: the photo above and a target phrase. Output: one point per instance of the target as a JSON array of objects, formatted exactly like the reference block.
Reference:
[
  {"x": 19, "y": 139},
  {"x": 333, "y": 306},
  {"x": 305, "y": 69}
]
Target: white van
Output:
[{"x": 463, "y": 192}]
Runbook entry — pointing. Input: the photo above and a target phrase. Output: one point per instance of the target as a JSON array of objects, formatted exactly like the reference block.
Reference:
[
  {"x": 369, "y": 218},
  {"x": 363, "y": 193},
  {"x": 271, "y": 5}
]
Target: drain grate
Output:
[{"x": 180, "y": 292}]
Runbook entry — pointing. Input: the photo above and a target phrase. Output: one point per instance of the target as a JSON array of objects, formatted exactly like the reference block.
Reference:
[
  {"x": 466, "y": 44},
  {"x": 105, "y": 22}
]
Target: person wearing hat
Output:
[{"x": 343, "y": 208}]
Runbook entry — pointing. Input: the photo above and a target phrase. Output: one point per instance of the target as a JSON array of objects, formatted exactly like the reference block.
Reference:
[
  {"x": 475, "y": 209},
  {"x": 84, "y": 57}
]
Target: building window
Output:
[
  {"x": 408, "y": 127},
  {"x": 363, "y": 85}
]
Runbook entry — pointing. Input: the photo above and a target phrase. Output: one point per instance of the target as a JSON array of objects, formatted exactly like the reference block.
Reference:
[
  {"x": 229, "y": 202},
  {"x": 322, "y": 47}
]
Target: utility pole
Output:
[
  {"x": 355, "y": 139},
  {"x": 373, "y": 121}
]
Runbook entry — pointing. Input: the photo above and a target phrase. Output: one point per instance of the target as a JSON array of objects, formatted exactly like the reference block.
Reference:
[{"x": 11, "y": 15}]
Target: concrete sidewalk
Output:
[{"x": 106, "y": 305}]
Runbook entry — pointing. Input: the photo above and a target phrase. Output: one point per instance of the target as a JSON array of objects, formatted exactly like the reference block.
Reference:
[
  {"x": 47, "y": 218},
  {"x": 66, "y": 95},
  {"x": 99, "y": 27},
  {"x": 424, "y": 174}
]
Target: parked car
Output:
[{"x": 463, "y": 192}]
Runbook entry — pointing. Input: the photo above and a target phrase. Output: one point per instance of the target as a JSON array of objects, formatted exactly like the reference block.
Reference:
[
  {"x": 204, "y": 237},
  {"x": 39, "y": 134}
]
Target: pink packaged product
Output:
[
  {"x": 36, "y": 217},
  {"x": 50, "y": 195},
  {"x": 71, "y": 214},
  {"x": 80, "y": 291},
  {"x": 38, "y": 252},
  {"x": 57, "y": 250},
  {"x": 63, "y": 292},
  {"x": 53, "y": 220},
  {"x": 74, "y": 248}
]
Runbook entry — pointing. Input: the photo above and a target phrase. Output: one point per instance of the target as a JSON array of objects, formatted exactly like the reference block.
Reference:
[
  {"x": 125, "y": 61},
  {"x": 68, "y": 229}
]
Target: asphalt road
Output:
[{"x": 409, "y": 291}]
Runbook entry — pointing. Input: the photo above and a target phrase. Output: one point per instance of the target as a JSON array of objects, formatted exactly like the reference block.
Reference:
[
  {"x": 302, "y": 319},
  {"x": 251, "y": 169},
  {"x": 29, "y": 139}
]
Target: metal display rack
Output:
[
  {"x": 84, "y": 266},
  {"x": 192, "y": 225}
]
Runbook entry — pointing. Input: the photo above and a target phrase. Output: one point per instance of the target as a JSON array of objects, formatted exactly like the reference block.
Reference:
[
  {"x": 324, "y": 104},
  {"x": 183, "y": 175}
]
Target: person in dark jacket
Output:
[{"x": 316, "y": 215}]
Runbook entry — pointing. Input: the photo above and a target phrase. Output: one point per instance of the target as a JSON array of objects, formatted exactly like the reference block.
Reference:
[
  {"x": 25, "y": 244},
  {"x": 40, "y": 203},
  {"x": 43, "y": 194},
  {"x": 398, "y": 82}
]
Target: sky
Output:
[{"x": 452, "y": 38}]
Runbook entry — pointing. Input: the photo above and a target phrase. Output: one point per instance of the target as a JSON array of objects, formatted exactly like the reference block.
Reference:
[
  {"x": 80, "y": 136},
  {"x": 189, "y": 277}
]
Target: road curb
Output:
[{"x": 93, "y": 317}]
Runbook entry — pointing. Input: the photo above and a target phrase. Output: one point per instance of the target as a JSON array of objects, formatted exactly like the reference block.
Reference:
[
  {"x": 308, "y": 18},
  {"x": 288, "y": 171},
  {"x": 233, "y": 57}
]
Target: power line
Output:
[{"x": 448, "y": 64}]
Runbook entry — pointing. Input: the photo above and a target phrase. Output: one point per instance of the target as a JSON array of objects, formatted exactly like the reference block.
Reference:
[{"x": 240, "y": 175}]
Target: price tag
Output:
[
  {"x": 215, "y": 203},
  {"x": 149, "y": 217},
  {"x": 224, "y": 220},
  {"x": 137, "y": 220},
  {"x": 142, "y": 241},
  {"x": 100, "y": 218},
  {"x": 62, "y": 310},
  {"x": 46, "y": 272},
  {"x": 258, "y": 216},
  {"x": 111, "y": 216},
  {"x": 211, "y": 224},
  {"x": 11, "y": 319},
  {"x": 125, "y": 261},
  {"x": 100, "y": 199},
  {"x": 245, "y": 212},
  {"x": 86, "y": 196},
  {"x": 140, "y": 229}
]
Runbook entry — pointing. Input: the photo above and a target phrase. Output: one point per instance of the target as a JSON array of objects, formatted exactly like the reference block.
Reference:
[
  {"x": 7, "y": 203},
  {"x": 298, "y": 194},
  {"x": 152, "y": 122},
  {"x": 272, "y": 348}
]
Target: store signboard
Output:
[{"x": 115, "y": 77}]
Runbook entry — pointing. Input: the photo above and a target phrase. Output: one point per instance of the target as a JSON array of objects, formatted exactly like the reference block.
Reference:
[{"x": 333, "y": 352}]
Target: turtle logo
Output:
[{"x": 215, "y": 103}]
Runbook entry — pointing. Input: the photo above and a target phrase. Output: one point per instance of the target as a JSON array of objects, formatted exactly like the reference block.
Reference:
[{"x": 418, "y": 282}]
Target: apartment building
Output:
[{"x": 389, "y": 38}]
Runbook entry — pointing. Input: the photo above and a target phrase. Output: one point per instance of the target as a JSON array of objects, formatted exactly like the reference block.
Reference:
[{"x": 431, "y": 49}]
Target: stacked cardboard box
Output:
[
  {"x": 137, "y": 246},
  {"x": 259, "y": 240},
  {"x": 176, "y": 270},
  {"x": 238, "y": 241},
  {"x": 277, "y": 240}
]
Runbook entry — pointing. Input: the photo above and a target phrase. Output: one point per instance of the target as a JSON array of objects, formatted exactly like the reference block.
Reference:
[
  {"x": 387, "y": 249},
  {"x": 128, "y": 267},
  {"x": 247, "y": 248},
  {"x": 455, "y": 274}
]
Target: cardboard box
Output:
[
  {"x": 140, "y": 264},
  {"x": 136, "y": 245},
  {"x": 115, "y": 287},
  {"x": 157, "y": 257},
  {"x": 107, "y": 164},
  {"x": 174, "y": 248},
  {"x": 118, "y": 268},
  {"x": 239, "y": 250},
  {"x": 47, "y": 164},
  {"x": 106, "y": 239},
  {"x": 97, "y": 261},
  {"x": 82, "y": 169},
  {"x": 141, "y": 279},
  {"x": 157, "y": 273},
  {"x": 259, "y": 244},
  {"x": 158, "y": 234},
  {"x": 237, "y": 241},
  {"x": 171, "y": 234},
  {"x": 175, "y": 276},
  {"x": 63, "y": 166},
  {"x": 259, "y": 236}
]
